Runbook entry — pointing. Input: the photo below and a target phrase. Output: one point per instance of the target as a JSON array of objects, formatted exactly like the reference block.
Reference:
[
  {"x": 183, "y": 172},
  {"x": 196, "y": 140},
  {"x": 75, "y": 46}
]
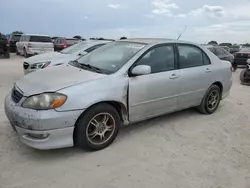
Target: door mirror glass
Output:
[
  {"x": 248, "y": 61},
  {"x": 141, "y": 70}
]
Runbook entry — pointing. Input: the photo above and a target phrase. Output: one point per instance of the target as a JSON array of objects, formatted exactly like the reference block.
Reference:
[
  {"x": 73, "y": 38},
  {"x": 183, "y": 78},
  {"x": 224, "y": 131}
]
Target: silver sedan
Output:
[{"x": 86, "y": 102}]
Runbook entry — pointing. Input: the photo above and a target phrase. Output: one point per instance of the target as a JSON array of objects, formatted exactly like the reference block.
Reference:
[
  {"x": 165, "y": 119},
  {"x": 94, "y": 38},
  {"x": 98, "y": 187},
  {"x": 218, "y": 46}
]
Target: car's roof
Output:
[
  {"x": 35, "y": 35},
  {"x": 97, "y": 41},
  {"x": 155, "y": 40}
]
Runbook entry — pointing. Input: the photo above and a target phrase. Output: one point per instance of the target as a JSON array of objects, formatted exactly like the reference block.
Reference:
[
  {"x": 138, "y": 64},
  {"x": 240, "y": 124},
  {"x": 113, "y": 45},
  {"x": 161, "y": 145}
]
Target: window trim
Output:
[
  {"x": 94, "y": 47},
  {"x": 197, "y": 47},
  {"x": 148, "y": 50}
]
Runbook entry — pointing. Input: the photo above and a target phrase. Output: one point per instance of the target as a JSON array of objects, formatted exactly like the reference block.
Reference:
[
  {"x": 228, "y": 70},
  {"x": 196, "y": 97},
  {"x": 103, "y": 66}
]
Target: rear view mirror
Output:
[{"x": 141, "y": 70}]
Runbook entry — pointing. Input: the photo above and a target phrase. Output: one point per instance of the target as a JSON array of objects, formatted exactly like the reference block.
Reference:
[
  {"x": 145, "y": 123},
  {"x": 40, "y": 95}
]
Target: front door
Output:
[{"x": 156, "y": 93}]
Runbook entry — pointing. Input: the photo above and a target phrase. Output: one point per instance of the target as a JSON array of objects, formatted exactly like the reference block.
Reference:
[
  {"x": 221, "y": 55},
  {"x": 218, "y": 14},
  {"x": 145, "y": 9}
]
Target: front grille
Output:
[
  {"x": 16, "y": 95},
  {"x": 25, "y": 65}
]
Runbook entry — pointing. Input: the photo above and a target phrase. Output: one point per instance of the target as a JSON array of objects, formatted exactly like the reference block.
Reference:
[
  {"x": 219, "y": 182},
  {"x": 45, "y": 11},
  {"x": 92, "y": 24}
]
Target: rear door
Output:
[{"x": 196, "y": 75}]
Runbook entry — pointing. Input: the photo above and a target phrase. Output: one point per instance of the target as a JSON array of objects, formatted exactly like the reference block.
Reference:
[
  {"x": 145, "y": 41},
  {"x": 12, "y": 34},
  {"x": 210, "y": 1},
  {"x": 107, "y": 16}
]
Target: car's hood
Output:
[
  {"x": 47, "y": 57},
  {"x": 55, "y": 78}
]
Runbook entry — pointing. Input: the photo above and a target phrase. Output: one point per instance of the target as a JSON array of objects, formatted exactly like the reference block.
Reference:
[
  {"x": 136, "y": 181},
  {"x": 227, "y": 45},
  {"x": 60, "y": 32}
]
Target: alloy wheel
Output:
[{"x": 100, "y": 128}]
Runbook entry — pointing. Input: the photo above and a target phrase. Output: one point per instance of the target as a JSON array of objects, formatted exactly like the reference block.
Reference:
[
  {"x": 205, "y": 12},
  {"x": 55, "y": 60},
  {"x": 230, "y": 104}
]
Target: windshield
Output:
[
  {"x": 40, "y": 39},
  {"x": 245, "y": 50},
  {"x": 112, "y": 56},
  {"x": 77, "y": 47}
]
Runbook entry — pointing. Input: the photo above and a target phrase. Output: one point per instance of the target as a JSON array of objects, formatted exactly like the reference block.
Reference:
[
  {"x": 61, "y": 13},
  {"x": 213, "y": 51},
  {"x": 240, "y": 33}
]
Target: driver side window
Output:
[{"x": 160, "y": 59}]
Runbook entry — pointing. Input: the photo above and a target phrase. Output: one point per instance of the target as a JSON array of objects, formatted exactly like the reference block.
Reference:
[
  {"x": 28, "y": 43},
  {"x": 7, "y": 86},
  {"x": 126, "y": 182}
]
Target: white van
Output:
[{"x": 34, "y": 44}]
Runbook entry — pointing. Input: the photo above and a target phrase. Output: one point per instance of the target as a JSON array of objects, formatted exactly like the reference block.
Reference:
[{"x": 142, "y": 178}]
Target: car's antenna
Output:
[{"x": 182, "y": 32}]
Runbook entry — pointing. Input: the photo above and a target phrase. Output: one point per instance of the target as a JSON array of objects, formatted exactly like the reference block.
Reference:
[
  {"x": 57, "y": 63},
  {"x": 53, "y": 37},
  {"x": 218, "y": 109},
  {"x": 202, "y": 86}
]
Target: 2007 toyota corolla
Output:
[{"x": 85, "y": 102}]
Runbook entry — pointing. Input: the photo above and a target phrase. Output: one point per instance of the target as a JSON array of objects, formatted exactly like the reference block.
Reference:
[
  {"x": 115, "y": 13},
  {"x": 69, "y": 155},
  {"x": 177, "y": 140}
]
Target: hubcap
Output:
[
  {"x": 213, "y": 100},
  {"x": 100, "y": 128}
]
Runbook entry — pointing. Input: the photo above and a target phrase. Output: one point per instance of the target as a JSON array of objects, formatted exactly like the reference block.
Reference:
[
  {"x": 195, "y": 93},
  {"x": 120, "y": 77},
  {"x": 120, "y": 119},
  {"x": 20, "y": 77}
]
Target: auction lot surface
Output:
[{"x": 181, "y": 150}]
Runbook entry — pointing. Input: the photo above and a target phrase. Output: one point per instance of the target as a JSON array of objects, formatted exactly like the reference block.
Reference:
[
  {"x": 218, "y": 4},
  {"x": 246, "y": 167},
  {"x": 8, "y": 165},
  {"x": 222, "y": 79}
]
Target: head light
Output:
[
  {"x": 45, "y": 101},
  {"x": 40, "y": 65}
]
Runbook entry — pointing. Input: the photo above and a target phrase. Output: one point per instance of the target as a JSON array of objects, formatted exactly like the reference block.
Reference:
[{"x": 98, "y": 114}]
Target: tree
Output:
[
  {"x": 226, "y": 44},
  {"x": 77, "y": 37},
  {"x": 123, "y": 38},
  {"x": 17, "y": 32},
  {"x": 246, "y": 45},
  {"x": 213, "y": 42}
]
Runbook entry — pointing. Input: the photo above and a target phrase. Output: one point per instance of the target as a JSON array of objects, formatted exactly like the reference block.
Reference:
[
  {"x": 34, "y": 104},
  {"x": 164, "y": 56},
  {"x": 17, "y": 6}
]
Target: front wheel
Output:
[
  {"x": 25, "y": 53},
  {"x": 210, "y": 101},
  {"x": 97, "y": 128}
]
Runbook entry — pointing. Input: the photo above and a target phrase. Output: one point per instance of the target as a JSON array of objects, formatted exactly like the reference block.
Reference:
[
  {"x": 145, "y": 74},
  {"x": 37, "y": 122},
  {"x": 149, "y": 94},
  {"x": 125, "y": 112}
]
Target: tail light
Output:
[
  {"x": 64, "y": 45},
  {"x": 7, "y": 42},
  {"x": 29, "y": 45},
  {"x": 248, "y": 55},
  {"x": 231, "y": 68}
]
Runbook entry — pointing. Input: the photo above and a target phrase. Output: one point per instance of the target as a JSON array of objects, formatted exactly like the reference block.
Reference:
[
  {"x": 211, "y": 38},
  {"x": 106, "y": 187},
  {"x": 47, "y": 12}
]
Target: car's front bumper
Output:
[{"x": 46, "y": 129}]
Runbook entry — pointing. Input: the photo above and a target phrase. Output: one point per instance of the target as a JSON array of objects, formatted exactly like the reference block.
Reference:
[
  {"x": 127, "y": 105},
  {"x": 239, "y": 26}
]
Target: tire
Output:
[
  {"x": 84, "y": 130},
  {"x": 204, "y": 107},
  {"x": 25, "y": 53},
  {"x": 7, "y": 54},
  {"x": 242, "y": 75}
]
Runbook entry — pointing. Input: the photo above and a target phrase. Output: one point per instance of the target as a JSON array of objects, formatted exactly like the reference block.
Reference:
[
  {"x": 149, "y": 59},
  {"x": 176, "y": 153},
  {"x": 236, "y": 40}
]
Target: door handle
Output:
[
  {"x": 173, "y": 76},
  {"x": 208, "y": 70}
]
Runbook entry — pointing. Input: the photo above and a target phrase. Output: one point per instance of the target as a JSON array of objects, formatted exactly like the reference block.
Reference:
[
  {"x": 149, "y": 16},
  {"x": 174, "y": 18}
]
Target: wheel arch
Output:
[
  {"x": 220, "y": 85},
  {"x": 119, "y": 106}
]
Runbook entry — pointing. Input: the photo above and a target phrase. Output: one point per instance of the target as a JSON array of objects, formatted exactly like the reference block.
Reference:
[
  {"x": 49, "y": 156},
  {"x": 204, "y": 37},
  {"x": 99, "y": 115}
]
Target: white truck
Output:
[{"x": 33, "y": 44}]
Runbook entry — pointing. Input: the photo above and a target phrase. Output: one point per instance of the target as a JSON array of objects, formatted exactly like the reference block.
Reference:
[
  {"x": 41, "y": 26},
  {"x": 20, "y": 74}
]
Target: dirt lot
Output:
[{"x": 185, "y": 149}]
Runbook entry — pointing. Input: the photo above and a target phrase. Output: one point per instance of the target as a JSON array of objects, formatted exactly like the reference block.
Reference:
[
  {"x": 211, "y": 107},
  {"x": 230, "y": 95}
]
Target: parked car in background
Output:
[
  {"x": 13, "y": 39},
  {"x": 4, "y": 46},
  {"x": 240, "y": 58},
  {"x": 234, "y": 48},
  {"x": 33, "y": 44},
  {"x": 221, "y": 53},
  {"x": 53, "y": 39},
  {"x": 226, "y": 48},
  {"x": 86, "y": 102},
  {"x": 60, "y": 43},
  {"x": 58, "y": 58}
]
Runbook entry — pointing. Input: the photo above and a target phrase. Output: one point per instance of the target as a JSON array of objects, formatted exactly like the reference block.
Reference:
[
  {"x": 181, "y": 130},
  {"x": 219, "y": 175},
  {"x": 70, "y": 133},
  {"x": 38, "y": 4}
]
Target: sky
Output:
[{"x": 220, "y": 20}]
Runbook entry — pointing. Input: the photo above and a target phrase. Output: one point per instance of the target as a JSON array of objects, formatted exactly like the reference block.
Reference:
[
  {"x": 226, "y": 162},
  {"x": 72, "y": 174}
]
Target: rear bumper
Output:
[{"x": 35, "y": 51}]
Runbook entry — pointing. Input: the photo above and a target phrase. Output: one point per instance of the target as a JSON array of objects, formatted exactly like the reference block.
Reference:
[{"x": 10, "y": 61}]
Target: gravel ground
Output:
[{"x": 184, "y": 149}]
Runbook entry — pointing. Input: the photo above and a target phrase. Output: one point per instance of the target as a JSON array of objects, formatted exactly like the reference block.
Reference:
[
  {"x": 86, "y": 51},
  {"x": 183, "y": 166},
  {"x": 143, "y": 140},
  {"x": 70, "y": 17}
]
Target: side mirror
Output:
[
  {"x": 141, "y": 70},
  {"x": 248, "y": 61}
]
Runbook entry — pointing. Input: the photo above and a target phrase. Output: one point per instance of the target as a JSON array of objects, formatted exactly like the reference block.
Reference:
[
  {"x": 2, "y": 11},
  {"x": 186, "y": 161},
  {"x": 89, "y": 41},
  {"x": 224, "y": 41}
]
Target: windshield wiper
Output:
[{"x": 86, "y": 66}]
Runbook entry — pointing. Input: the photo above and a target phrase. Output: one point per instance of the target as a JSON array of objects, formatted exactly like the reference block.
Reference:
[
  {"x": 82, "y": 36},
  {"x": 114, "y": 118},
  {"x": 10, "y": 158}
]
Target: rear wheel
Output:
[
  {"x": 97, "y": 128},
  {"x": 242, "y": 75},
  {"x": 7, "y": 54},
  {"x": 210, "y": 101}
]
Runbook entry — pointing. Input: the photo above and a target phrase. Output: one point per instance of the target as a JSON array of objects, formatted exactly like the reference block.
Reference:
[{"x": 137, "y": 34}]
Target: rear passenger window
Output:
[
  {"x": 190, "y": 56},
  {"x": 206, "y": 59}
]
